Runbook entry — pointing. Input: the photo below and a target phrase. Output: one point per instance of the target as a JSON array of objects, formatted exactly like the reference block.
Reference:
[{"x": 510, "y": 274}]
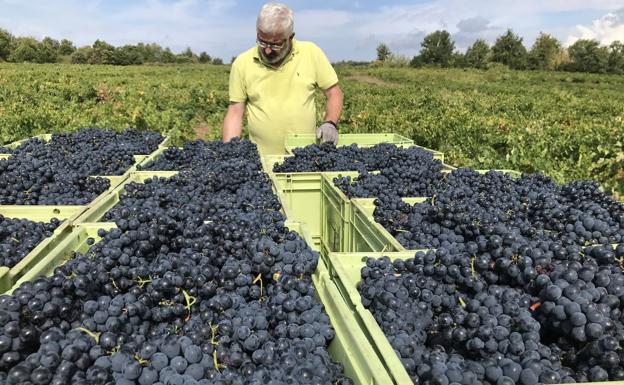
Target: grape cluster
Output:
[
  {"x": 167, "y": 298},
  {"x": 61, "y": 171},
  {"x": 223, "y": 186},
  {"x": 328, "y": 157},
  {"x": 409, "y": 173},
  {"x": 18, "y": 237},
  {"x": 199, "y": 154},
  {"x": 466, "y": 204},
  {"x": 508, "y": 311}
]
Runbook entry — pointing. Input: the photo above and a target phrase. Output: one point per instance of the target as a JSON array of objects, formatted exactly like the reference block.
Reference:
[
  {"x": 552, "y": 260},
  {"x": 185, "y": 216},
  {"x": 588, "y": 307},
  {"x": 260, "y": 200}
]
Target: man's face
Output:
[{"x": 273, "y": 48}]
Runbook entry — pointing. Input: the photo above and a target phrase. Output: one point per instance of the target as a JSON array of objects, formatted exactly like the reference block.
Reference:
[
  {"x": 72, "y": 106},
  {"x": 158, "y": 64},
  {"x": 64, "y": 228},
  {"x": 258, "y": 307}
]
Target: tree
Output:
[
  {"x": 26, "y": 50},
  {"x": 48, "y": 51},
  {"x": 103, "y": 53},
  {"x": 510, "y": 51},
  {"x": 217, "y": 61},
  {"x": 383, "y": 52},
  {"x": 82, "y": 55},
  {"x": 416, "y": 62},
  {"x": 127, "y": 55},
  {"x": 437, "y": 48},
  {"x": 168, "y": 56},
  {"x": 66, "y": 47},
  {"x": 616, "y": 58},
  {"x": 204, "y": 58},
  {"x": 188, "y": 53},
  {"x": 545, "y": 53},
  {"x": 588, "y": 56},
  {"x": 458, "y": 60},
  {"x": 5, "y": 44},
  {"x": 477, "y": 54}
]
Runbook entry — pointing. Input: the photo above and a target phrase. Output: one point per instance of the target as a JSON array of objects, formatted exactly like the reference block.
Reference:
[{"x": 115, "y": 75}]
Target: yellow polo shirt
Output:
[{"x": 280, "y": 100}]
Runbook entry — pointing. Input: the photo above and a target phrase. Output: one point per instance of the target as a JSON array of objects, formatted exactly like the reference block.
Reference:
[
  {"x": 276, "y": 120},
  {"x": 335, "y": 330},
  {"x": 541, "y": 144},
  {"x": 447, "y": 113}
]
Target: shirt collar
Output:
[{"x": 294, "y": 50}]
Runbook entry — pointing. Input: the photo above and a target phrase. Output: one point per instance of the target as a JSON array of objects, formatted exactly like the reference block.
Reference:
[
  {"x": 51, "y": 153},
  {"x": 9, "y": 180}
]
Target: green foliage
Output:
[
  {"x": 392, "y": 61},
  {"x": 383, "y": 52},
  {"x": 416, "y": 62},
  {"x": 81, "y": 55},
  {"x": 477, "y": 54},
  {"x": 588, "y": 56},
  {"x": 437, "y": 49},
  {"x": 5, "y": 44},
  {"x": 57, "y": 98},
  {"x": 205, "y": 58},
  {"x": 545, "y": 53},
  {"x": 66, "y": 47},
  {"x": 103, "y": 53},
  {"x": 616, "y": 58},
  {"x": 127, "y": 55},
  {"x": 569, "y": 126},
  {"x": 510, "y": 51},
  {"x": 26, "y": 50}
]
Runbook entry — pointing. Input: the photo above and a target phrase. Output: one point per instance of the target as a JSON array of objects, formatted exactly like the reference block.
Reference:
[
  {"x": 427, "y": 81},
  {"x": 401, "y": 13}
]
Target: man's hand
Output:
[{"x": 327, "y": 132}]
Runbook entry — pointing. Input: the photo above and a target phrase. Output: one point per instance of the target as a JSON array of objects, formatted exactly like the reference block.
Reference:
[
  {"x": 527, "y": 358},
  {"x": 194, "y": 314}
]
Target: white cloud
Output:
[{"x": 607, "y": 29}]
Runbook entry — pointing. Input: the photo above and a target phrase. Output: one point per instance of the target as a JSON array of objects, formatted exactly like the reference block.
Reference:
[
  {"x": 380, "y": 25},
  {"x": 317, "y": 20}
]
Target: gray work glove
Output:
[{"x": 327, "y": 132}]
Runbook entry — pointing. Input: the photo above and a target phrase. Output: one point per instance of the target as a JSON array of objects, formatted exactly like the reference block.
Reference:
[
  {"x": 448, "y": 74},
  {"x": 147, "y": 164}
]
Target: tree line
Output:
[
  {"x": 49, "y": 50},
  {"x": 547, "y": 54}
]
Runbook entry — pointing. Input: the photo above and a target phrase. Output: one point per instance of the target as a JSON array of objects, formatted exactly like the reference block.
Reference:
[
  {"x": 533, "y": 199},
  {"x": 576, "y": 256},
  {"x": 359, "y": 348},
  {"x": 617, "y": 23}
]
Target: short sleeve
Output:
[
  {"x": 237, "y": 90},
  {"x": 325, "y": 73}
]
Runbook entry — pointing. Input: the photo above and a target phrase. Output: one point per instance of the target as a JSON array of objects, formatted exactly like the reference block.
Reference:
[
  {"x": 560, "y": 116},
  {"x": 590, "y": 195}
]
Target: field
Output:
[{"x": 570, "y": 126}]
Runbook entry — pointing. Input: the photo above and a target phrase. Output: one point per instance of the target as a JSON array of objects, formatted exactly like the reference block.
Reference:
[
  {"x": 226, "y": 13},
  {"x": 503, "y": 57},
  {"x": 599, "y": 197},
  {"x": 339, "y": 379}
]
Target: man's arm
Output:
[
  {"x": 334, "y": 103},
  {"x": 233, "y": 121}
]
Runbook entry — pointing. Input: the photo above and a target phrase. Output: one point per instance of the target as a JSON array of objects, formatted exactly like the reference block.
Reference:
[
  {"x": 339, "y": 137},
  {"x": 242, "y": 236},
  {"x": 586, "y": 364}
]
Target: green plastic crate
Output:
[
  {"x": 153, "y": 156},
  {"x": 350, "y": 346},
  {"x": 362, "y": 140},
  {"x": 368, "y": 235},
  {"x": 46, "y": 137},
  {"x": 345, "y": 271},
  {"x": 300, "y": 195},
  {"x": 8, "y": 276},
  {"x": 75, "y": 241},
  {"x": 17, "y": 143},
  {"x": 96, "y": 211},
  {"x": 336, "y": 214},
  {"x": 293, "y": 141}
]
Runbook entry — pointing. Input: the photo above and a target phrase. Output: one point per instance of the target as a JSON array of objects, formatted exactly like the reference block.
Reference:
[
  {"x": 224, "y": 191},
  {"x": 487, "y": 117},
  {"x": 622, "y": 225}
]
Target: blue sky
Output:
[{"x": 345, "y": 29}]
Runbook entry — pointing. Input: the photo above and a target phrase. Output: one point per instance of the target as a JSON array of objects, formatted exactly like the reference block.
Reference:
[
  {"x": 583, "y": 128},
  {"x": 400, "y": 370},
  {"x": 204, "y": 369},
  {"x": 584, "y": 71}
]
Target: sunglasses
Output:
[{"x": 274, "y": 47}]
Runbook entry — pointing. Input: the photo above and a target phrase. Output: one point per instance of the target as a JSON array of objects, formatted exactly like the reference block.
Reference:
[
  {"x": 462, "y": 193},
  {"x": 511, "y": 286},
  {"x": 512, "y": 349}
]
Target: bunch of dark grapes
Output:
[
  {"x": 199, "y": 155},
  {"x": 61, "y": 171},
  {"x": 18, "y": 237},
  {"x": 410, "y": 173},
  {"x": 238, "y": 189},
  {"x": 502, "y": 309},
  {"x": 466, "y": 204},
  {"x": 167, "y": 298},
  {"x": 328, "y": 157},
  {"x": 30, "y": 181},
  {"x": 161, "y": 300}
]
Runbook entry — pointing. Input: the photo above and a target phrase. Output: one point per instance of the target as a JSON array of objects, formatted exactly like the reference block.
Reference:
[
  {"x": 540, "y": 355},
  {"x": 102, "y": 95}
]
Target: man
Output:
[{"x": 275, "y": 82}]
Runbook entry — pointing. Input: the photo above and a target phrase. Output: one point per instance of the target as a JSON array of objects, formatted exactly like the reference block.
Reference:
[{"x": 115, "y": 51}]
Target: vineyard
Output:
[{"x": 570, "y": 126}]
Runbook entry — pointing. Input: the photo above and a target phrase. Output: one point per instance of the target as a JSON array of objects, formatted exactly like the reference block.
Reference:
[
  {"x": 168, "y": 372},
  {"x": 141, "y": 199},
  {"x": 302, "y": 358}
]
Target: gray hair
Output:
[{"x": 276, "y": 18}]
